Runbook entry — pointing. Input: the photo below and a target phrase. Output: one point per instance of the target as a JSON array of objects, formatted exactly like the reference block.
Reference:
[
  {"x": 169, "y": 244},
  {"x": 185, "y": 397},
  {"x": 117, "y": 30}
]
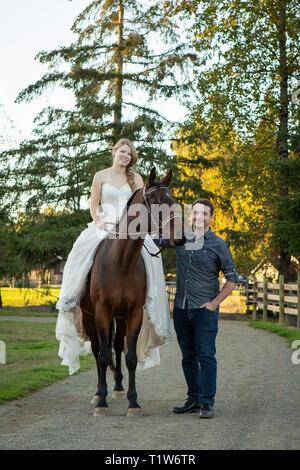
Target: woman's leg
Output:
[{"x": 77, "y": 267}]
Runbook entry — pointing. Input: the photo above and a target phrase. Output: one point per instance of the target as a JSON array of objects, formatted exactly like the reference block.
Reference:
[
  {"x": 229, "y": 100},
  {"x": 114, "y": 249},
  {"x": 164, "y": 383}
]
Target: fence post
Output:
[
  {"x": 281, "y": 299},
  {"x": 247, "y": 298},
  {"x": 298, "y": 316},
  {"x": 265, "y": 298},
  {"x": 254, "y": 299},
  {"x": 2, "y": 352}
]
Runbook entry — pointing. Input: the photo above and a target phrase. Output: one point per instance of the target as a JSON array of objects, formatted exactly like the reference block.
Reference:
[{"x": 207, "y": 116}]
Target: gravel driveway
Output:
[{"x": 257, "y": 404}]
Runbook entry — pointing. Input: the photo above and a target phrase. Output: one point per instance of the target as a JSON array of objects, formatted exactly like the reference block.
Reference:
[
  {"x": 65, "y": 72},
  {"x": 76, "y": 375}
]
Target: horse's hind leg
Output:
[
  {"x": 95, "y": 350},
  {"x": 118, "y": 391},
  {"x": 133, "y": 328},
  {"x": 90, "y": 328},
  {"x": 103, "y": 321}
]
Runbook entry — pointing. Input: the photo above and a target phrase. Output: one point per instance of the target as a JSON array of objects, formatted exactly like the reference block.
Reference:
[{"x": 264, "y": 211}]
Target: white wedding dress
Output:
[{"x": 156, "y": 328}]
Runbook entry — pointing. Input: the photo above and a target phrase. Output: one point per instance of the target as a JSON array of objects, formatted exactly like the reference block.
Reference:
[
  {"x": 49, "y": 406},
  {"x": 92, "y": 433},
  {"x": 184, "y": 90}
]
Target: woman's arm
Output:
[{"x": 95, "y": 197}]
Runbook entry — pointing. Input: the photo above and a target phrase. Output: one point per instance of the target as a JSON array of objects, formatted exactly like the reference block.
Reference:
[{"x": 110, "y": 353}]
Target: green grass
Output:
[
  {"x": 290, "y": 333},
  {"x": 20, "y": 297},
  {"x": 31, "y": 359},
  {"x": 32, "y": 311}
]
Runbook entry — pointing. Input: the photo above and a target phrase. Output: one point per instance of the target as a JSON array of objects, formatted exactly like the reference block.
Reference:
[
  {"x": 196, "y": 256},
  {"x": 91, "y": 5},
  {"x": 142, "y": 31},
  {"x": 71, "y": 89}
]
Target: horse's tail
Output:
[{"x": 112, "y": 334}]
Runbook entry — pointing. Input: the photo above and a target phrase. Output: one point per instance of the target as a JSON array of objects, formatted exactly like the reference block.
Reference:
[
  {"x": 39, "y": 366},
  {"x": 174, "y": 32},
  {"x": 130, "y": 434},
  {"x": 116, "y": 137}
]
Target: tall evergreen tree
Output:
[{"x": 127, "y": 56}]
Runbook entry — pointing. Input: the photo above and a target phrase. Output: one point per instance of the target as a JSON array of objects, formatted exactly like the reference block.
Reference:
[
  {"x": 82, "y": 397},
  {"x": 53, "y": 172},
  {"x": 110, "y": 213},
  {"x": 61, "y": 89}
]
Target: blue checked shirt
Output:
[{"x": 198, "y": 268}]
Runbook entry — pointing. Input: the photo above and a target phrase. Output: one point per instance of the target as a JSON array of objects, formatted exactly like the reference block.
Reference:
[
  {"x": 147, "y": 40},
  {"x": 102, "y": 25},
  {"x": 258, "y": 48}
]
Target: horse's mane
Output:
[
  {"x": 130, "y": 200},
  {"x": 128, "y": 204}
]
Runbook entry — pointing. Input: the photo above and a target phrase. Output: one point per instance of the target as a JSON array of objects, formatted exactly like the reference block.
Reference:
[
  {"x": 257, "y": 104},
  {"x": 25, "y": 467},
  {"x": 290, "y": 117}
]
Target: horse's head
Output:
[{"x": 164, "y": 215}]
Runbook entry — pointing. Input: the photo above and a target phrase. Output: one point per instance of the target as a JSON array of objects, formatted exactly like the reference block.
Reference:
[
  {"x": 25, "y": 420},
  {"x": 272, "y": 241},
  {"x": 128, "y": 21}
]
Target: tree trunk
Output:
[
  {"x": 119, "y": 79},
  {"x": 284, "y": 257}
]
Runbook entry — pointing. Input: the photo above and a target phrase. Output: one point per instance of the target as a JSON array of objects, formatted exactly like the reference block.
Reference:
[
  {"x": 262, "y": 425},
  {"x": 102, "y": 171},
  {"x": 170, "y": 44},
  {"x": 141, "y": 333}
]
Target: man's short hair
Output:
[{"x": 206, "y": 202}]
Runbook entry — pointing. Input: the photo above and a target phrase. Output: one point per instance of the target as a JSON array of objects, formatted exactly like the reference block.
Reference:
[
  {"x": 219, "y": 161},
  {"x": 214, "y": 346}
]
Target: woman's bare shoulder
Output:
[{"x": 100, "y": 175}]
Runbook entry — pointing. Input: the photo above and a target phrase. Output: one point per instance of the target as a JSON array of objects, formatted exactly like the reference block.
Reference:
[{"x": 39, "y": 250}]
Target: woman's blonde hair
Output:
[{"x": 129, "y": 168}]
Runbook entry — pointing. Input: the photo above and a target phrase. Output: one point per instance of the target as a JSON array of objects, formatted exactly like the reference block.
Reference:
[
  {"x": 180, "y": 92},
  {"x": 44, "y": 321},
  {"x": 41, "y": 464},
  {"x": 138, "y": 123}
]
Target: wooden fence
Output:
[
  {"x": 282, "y": 299},
  {"x": 171, "y": 291}
]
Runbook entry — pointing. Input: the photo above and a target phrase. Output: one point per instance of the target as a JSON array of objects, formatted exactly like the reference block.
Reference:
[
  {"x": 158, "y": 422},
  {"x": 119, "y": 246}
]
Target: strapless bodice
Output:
[{"x": 113, "y": 200}]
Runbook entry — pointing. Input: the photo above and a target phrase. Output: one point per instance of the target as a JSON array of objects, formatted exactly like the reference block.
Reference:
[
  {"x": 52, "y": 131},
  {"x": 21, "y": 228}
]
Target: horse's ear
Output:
[
  {"x": 168, "y": 178},
  {"x": 152, "y": 176}
]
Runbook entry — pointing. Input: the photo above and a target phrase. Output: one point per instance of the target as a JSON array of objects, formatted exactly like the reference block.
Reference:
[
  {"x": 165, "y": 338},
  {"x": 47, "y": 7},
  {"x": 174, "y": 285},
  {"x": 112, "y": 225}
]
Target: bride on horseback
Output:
[{"x": 112, "y": 187}]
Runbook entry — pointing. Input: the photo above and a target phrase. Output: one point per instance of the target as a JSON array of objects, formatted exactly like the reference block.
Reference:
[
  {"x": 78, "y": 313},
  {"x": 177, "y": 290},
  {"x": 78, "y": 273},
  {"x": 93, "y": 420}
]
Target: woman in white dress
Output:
[{"x": 112, "y": 187}]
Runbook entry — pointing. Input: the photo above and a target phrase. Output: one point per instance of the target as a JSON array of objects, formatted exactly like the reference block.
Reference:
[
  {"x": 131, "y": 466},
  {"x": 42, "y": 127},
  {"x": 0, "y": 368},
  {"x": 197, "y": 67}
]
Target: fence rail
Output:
[
  {"x": 280, "y": 298},
  {"x": 171, "y": 292}
]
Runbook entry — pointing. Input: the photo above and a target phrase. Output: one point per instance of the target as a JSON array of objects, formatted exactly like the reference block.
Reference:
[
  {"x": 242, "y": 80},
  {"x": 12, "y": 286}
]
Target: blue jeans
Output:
[{"x": 196, "y": 331}]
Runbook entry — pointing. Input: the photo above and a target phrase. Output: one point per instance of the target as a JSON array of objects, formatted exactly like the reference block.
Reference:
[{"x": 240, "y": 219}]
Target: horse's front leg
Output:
[
  {"x": 104, "y": 358},
  {"x": 133, "y": 326},
  {"x": 118, "y": 391}
]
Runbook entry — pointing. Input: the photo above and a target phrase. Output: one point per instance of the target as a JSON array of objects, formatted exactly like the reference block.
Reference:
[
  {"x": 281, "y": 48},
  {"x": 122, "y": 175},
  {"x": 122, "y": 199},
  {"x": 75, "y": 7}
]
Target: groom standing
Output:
[{"x": 196, "y": 306}]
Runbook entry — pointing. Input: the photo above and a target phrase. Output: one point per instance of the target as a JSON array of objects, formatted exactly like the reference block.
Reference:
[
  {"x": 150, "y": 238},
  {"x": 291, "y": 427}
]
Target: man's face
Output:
[{"x": 201, "y": 217}]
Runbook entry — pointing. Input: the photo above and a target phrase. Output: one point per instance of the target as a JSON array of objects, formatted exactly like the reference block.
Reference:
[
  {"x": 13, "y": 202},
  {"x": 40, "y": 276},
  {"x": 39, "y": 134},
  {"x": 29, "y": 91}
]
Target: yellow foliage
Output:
[{"x": 243, "y": 208}]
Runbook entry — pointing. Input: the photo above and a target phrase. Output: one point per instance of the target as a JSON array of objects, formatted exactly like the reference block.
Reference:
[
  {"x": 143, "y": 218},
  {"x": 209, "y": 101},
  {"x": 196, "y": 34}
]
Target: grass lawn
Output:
[
  {"x": 31, "y": 311},
  {"x": 20, "y": 297},
  {"x": 290, "y": 333},
  {"x": 25, "y": 298},
  {"x": 31, "y": 359}
]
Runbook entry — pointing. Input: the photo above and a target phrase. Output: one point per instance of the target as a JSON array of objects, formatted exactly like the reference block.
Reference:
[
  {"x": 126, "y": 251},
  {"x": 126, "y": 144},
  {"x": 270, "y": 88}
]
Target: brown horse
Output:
[{"x": 112, "y": 307}]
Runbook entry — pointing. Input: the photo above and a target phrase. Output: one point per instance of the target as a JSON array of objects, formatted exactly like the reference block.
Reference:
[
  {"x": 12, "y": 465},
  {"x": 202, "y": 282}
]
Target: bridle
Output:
[{"x": 159, "y": 224}]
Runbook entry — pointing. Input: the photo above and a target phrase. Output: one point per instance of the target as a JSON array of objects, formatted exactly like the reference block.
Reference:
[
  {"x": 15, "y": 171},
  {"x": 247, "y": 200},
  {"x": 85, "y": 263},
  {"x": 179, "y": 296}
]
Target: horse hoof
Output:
[
  {"x": 95, "y": 399},
  {"x": 134, "y": 412},
  {"x": 118, "y": 394},
  {"x": 101, "y": 411}
]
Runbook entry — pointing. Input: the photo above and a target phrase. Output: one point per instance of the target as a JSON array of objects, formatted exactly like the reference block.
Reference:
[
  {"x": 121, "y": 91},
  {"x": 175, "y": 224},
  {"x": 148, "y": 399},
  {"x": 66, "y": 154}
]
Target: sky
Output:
[{"x": 26, "y": 28}]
